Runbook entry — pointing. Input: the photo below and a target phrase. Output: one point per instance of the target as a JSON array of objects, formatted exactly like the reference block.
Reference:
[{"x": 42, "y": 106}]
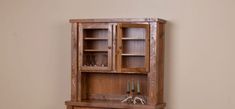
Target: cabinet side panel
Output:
[
  {"x": 152, "y": 75},
  {"x": 74, "y": 56},
  {"x": 160, "y": 60}
]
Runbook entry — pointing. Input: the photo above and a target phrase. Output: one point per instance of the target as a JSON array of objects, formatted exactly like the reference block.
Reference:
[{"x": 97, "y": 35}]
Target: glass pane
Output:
[
  {"x": 95, "y": 33},
  {"x": 133, "y": 46},
  {"x": 134, "y": 33},
  {"x": 132, "y": 62},
  {"x": 96, "y": 44},
  {"x": 95, "y": 47},
  {"x": 95, "y": 59}
]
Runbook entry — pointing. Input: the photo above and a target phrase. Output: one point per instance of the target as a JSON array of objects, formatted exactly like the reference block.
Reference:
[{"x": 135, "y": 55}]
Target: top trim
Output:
[{"x": 119, "y": 20}]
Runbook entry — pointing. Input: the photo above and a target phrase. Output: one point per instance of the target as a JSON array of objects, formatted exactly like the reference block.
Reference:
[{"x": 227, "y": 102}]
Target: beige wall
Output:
[{"x": 35, "y": 49}]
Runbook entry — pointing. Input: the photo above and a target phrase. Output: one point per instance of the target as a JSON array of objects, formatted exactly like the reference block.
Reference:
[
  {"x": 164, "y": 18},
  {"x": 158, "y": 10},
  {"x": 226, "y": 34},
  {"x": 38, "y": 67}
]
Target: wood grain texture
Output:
[
  {"x": 135, "y": 51},
  {"x": 110, "y": 86},
  {"x": 74, "y": 62},
  {"x": 160, "y": 60},
  {"x": 112, "y": 105},
  {"x": 114, "y": 51},
  {"x": 152, "y": 76},
  {"x": 120, "y": 20},
  {"x": 119, "y": 47}
]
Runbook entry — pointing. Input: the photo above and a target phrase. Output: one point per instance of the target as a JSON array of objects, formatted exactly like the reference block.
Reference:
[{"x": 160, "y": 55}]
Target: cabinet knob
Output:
[{"x": 109, "y": 47}]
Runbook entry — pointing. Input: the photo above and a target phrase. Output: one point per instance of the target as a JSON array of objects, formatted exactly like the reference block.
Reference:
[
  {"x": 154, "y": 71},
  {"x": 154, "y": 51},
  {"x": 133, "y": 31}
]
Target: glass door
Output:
[
  {"x": 133, "y": 47},
  {"x": 95, "y": 46}
]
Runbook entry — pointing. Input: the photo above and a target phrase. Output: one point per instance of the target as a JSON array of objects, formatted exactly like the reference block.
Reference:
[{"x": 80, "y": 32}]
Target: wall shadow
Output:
[{"x": 168, "y": 84}]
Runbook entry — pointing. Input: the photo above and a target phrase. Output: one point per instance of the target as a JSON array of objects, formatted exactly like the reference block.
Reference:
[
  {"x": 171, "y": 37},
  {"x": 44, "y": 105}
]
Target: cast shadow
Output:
[{"x": 168, "y": 64}]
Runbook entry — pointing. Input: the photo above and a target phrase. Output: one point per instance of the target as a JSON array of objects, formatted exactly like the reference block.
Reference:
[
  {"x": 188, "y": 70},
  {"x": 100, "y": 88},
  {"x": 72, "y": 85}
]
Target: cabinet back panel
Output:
[
  {"x": 96, "y": 44},
  {"x": 134, "y": 32},
  {"x": 134, "y": 46},
  {"x": 132, "y": 62},
  {"x": 95, "y": 33},
  {"x": 103, "y": 86}
]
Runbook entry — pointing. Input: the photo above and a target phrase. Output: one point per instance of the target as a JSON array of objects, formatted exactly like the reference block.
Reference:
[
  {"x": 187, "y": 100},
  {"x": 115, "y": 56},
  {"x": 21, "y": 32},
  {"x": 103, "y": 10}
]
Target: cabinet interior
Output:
[
  {"x": 95, "y": 33},
  {"x": 95, "y": 47},
  {"x": 133, "y": 42},
  {"x": 109, "y": 86},
  {"x": 95, "y": 59}
]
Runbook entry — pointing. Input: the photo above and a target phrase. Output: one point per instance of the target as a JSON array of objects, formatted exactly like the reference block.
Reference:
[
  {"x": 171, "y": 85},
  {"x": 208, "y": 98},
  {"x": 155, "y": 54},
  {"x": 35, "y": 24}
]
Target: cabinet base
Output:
[{"x": 109, "y": 105}]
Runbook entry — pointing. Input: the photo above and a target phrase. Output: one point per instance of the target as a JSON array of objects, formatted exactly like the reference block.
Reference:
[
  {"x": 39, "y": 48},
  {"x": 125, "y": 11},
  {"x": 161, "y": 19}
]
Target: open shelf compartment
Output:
[{"x": 110, "y": 86}]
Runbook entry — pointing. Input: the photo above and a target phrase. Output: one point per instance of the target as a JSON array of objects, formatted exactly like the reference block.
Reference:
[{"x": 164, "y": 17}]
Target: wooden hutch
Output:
[{"x": 107, "y": 54}]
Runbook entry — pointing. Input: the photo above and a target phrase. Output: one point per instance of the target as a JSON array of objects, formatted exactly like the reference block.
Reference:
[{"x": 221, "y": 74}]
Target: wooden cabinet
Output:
[{"x": 108, "y": 54}]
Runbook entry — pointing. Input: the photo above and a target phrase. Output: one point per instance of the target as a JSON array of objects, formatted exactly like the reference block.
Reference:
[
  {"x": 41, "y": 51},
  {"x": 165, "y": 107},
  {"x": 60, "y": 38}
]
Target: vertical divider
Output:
[
  {"x": 110, "y": 41},
  {"x": 119, "y": 47},
  {"x": 114, "y": 48}
]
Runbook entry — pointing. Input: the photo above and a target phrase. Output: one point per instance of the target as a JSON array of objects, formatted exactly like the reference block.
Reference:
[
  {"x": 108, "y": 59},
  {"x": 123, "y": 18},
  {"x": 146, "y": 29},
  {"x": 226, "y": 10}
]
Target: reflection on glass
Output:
[{"x": 94, "y": 60}]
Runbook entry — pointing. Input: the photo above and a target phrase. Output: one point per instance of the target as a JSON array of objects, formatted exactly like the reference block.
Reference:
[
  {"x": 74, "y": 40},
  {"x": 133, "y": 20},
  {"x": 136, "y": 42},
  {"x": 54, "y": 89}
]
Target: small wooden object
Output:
[{"x": 108, "y": 55}]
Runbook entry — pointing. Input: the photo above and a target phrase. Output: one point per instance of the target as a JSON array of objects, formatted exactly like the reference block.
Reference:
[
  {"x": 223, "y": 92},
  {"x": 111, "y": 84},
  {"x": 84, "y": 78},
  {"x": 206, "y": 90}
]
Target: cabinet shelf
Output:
[
  {"x": 133, "y": 38},
  {"x": 88, "y": 38},
  {"x": 138, "y": 55},
  {"x": 113, "y": 72},
  {"x": 94, "y": 50}
]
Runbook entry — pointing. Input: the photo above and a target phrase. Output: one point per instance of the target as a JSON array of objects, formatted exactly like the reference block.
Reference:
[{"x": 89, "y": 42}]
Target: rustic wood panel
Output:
[
  {"x": 152, "y": 75},
  {"x": 160, "y": 60},
  {"x": 114, "y": 52},
  {"x": 119, "y": 20},
  {"x": 112, "y": 105},
  {"x": 74, "y": 64},
  {"x": 119, "y": 47}
]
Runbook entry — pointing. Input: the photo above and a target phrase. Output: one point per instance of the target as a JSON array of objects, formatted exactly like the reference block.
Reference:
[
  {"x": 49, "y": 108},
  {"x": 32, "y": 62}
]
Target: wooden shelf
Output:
[
  {"x": 93, "y": 50},
  {"x": 112, "y": 104},
  {"x": 133, "y": 55},
  {"x": 94, "y": 68},
  {"x": 133, "y": 38},
  {"x": 112, "y": 72},
  {"x": 88, "y": 38}
]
